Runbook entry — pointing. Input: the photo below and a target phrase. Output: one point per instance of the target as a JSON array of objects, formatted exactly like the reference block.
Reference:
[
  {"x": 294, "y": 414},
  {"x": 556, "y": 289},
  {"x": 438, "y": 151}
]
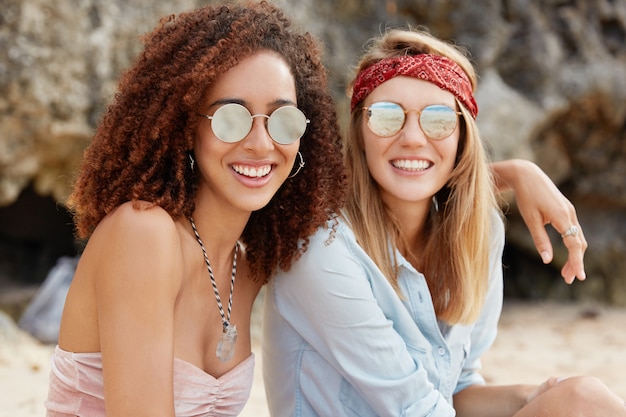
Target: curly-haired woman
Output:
[{"x": 218, "y": 157}]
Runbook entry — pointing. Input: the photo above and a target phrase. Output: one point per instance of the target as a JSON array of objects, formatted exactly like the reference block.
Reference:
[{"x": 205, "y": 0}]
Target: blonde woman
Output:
[{"x": 391, "y": 307}]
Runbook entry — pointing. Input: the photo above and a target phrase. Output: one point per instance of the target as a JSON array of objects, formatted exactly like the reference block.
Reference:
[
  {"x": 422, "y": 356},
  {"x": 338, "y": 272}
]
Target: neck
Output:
[
  {"x": 411, "y": 217},
  {"x": 219, "y": 246},
  {"x": 219, "y": 229}
]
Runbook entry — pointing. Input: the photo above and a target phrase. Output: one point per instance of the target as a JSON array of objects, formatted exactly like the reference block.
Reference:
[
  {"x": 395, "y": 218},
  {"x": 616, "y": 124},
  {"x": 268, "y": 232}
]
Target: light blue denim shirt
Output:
[{"x": 338, "y": 341}]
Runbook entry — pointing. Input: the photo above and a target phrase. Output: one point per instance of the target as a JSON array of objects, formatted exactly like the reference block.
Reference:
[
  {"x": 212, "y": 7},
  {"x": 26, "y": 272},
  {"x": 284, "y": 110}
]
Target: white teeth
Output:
[
  {"x": 252, "y": 171},
  {"x": 411, "y": 164}
]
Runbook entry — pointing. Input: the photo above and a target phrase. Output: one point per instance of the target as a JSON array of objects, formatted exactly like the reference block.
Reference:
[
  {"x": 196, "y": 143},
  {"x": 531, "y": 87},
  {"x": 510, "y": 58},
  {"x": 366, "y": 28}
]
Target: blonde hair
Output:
[{"x": 455, "y": 259}]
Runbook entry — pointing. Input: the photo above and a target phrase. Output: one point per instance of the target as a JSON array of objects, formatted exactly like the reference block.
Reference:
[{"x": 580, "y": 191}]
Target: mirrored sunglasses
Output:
[
  {"x": 232, "y": 122},
  {"x": 437, "y": 121}
]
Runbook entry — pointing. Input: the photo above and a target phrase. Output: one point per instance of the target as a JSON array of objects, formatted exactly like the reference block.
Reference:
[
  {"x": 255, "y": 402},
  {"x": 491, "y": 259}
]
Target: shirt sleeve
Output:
[
  {"x": 327, "y": 297},
  {"x": 486, "y": 328}
]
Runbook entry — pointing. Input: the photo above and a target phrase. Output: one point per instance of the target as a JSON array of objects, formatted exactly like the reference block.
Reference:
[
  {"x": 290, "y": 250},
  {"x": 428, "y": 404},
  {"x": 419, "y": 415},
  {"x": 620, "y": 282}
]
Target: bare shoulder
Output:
[
  {"x": 132, "y": 263},
  {"x": 139, "y": 219},
  {"x": 138, "y": 238}
]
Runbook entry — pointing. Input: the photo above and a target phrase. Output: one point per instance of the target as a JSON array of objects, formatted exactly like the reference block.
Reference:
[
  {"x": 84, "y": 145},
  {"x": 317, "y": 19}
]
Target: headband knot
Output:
[{"x": 441, "y": 71}]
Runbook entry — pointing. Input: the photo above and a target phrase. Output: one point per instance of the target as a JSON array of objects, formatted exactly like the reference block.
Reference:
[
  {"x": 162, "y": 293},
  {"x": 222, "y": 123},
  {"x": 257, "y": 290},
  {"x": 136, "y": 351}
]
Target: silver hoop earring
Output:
[
  {"x": 300, "y": 166},
  {"x": 192, "y": 162}
]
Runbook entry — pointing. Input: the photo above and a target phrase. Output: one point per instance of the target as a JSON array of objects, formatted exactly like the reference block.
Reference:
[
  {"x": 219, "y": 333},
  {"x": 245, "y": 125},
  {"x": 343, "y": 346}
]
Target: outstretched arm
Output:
[{"x": 540, "y": 203}]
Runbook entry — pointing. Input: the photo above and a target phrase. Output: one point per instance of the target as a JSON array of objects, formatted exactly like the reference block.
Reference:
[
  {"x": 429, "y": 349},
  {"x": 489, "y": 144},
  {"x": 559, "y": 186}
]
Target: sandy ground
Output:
[{"x": 536, "y": 340}]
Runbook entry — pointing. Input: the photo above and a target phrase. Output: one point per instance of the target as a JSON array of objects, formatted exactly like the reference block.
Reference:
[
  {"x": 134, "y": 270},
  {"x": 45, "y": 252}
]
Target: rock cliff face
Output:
[{"x": 552, "y": 89}]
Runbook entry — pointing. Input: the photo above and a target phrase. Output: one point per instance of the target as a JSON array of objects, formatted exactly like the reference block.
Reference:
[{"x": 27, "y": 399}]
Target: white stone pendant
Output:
[{"x": 226, "y": 344}]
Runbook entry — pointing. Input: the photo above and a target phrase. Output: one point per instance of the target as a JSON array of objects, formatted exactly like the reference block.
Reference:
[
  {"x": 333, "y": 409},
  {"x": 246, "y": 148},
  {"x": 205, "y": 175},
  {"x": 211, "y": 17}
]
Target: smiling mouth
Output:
[
  {"x": 252, "y": 172},
  {"x": 411, "y": 164}
]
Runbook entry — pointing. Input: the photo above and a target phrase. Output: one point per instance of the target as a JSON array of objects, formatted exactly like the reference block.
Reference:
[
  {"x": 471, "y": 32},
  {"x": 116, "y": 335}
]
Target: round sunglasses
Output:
[
  {"x": 437, "y": 121},
  {"x": 232, "y": 122}
]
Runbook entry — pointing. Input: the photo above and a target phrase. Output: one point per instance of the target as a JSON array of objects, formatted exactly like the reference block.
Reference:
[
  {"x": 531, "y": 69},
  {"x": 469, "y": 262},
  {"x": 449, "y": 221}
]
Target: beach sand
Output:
[{"x": 535, "y": 341}]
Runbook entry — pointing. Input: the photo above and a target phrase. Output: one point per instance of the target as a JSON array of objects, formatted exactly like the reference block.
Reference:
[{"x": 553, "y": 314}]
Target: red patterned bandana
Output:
[{"x": 441, "y": 71}]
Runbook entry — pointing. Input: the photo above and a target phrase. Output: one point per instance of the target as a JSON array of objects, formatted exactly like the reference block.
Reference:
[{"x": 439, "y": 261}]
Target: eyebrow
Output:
[{"x": 276, "y": 103}]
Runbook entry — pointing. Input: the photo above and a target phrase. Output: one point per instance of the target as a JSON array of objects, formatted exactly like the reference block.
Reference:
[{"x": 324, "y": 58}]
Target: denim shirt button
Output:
[{"x": 441, "y": 351}]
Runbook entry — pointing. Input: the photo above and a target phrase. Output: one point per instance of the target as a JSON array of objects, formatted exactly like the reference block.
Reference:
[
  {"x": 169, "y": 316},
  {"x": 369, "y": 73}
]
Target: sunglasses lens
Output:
[
  {"x": 286, "y": 124},
  {"x": 438, "y": 121},
  {"x": 231, "y": 123},
  {"x": 385, "y": 119}
]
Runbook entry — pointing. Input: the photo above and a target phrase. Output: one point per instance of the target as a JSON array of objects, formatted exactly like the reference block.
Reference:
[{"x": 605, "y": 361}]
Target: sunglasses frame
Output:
[
  {"x": 252, "y": 116},
  {"x": 419, "y": 118}
]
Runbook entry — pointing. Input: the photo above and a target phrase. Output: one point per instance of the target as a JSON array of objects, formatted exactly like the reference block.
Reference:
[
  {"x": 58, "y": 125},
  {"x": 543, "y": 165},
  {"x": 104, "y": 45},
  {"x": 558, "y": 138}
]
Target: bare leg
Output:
[{"x": 576, "y": 397}]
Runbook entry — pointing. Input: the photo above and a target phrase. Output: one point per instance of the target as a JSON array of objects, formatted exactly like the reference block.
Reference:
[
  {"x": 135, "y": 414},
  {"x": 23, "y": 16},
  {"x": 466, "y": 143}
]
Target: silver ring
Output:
[{"x": 572, "y": 231}]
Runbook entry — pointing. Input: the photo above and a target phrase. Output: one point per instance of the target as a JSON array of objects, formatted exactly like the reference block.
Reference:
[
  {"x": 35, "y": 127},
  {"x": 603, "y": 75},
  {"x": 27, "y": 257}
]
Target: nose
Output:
[
  {"x": 412, "y": 134},
  {"x": 259, "y": 139}
]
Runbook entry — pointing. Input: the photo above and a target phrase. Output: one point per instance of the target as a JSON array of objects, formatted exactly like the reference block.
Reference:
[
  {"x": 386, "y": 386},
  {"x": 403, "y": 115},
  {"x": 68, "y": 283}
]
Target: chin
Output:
[{"x": 254, "y": 204}]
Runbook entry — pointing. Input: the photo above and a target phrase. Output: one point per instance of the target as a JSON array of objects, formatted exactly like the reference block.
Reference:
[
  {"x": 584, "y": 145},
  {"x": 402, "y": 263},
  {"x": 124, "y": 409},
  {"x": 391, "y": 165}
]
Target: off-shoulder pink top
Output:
[{"x": 76, "y": 387}]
